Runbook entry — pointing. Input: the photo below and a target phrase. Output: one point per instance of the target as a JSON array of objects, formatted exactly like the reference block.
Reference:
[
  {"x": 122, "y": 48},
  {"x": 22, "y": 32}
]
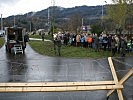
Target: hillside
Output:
[{"x": 36, "y": 20}]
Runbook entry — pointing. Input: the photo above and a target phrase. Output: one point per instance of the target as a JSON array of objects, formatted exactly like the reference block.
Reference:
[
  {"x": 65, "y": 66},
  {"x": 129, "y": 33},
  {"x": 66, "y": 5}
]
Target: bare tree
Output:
[
  {"x": 75, "y": 23},
  {"x": 119, "y": 12}
]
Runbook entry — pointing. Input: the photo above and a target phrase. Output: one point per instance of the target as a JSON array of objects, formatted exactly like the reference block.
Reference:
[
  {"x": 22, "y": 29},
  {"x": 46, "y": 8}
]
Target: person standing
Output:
[
  {"x": 26, "y": 39},
  {"x": 43, "y": 36},
  {"x": 117, "y": 39},
  {"x": 132, "y": 43},
  {"x": 105, "y": 42},
  {"x": 96, "y": 43},
  {"x": 86, "y": 40},
  {"x": 58, "y": 45},
  {"x": 78, "y": 37},
  {"x": 100, "y": 42},
  {"x": 109, "y": 42},
  {"x": 90, "y": 41},
  {"x": 82, "y": 39},
  {"x": 123, "y": 47},
  {"x": 113, "y": 46}
]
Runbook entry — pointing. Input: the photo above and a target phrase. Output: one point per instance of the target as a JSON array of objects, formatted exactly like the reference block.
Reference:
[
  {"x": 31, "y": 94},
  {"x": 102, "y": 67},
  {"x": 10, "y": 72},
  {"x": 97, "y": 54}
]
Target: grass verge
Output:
[
  {"x": 47, "y": 48},
  {"x": 1, "y": 42}
]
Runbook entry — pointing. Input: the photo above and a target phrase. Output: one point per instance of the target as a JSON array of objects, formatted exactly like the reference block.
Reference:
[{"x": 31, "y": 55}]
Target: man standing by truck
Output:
[
  {"x": 26, "y": 39},
  {"x": 43, "y": 36}
]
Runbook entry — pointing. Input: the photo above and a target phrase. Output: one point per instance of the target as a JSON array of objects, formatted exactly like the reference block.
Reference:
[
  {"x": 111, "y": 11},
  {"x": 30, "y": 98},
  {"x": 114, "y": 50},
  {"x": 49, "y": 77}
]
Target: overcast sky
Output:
[{"x": 14, "y": 7}]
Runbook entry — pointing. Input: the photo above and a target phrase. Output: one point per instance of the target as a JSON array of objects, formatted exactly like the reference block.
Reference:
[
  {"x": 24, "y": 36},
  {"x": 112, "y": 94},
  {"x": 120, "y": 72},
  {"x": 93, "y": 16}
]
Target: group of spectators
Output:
[{"x": 114, "y": 43}]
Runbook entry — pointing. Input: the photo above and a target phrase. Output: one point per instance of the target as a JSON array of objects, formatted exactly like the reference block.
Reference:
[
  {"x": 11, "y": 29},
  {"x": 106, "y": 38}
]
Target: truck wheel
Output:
[
  {"x": 6, "y": 47},
  {"x": 23, "y": 50},
  {"x": 9, "y": 50}
]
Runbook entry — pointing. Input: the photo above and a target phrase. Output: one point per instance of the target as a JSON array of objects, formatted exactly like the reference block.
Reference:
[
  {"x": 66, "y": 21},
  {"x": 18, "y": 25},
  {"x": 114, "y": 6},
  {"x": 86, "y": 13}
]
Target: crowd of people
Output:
[{"x": 111, "y": 42}]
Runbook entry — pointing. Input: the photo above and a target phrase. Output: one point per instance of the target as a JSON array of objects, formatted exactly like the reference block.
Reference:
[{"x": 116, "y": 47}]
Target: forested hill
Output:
[
  {"x": 40, "y": 18},
  {"x": 84, "y": 11}
]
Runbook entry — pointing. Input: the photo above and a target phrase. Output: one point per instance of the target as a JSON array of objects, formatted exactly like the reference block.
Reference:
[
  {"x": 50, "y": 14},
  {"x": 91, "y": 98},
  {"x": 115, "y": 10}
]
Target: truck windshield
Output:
[
  {"x": 11, "y": 37},
  {"x": 15, "y": 34}
]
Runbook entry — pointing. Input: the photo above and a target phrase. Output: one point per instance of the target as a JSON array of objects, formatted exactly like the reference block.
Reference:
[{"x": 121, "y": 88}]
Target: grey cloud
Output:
[{"x": 7, "y": 2}]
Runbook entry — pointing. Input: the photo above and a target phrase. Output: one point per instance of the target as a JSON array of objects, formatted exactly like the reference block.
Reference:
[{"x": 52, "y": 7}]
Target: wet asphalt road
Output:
[{"x": 33, "y": 67}]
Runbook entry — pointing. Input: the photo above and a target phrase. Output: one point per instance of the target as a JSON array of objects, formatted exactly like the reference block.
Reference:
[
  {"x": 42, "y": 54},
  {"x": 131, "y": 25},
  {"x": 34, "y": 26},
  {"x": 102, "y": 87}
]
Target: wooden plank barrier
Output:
[
  {"x": 58, "y": 88},
  {"x": 119, "y": 92},
  {"x": 37, "y": 84},
  {"x": 126, "y": 77}
]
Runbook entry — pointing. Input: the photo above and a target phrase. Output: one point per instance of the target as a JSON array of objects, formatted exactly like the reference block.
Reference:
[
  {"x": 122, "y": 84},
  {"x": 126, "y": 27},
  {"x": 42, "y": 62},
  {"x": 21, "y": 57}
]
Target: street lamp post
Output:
[
  {"x": 103, "y": 9},
  {"x": 102, "y": 15}
]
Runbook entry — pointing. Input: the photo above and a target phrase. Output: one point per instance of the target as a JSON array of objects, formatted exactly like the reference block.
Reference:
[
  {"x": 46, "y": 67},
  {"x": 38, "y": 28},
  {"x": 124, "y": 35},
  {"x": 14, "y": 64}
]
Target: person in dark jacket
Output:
[
  {"x": 58, "y": 46},
  {"x": 96, "y": 43},
  {"x": 123, "y": 47},
  {"x": 26, "y": 39},
  {"x": 42, "y": 36},
  {"x": 113, "y": 46}
]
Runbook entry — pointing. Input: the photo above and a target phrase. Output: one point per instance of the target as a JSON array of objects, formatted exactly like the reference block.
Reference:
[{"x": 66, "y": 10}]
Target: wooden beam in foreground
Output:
[
  {"x": 59, "y": 89},
  {"x": 37, "y": 84},
  {"x": 126, "y": 77},
  {"x": 119, "y": 92}
]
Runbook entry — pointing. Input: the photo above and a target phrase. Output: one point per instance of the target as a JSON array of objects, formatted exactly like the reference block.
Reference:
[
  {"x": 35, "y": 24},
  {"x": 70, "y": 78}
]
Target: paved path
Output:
[
  {"x": 33, "y": 67},
  {"x": 38, "y": 39}
]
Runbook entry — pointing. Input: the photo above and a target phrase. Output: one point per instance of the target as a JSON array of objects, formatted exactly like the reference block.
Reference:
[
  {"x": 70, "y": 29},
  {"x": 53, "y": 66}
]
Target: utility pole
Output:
[
  {"x": 30, "y": 26},
  {"x": 49, "y": 20},
  {"x": 1, "y": 23},
  {"x": 102, "y": 12},
  {"x": 53, "y": 17},
  {"x": 48, "y": 17},
  {"x": 82, "y": 22},
  {"x": 14, "y": 21}
]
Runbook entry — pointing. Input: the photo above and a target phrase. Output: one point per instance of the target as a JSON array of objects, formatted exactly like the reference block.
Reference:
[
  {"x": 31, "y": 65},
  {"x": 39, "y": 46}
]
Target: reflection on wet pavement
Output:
[{"x": 32, "y": 67}]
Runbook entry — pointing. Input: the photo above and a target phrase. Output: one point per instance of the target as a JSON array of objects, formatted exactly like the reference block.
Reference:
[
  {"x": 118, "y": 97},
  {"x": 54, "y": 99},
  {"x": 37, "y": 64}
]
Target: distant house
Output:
[
  {"x": 2, "y": 33},
  {"x": 40, "y": 31}
]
